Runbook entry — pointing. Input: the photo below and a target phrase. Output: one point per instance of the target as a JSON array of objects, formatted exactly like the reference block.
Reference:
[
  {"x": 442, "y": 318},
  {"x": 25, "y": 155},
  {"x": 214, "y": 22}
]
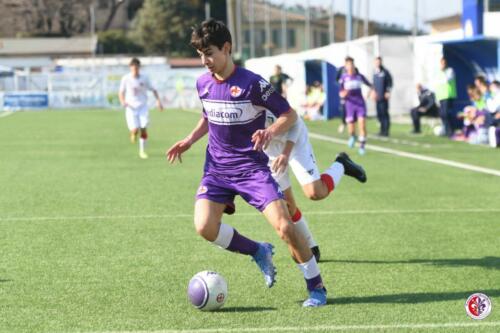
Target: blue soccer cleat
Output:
[
  {"x": 361, "y": 151},
  {"x": 264, "y": 259},
  {"x": 352, "y": 141},
  {"x": 317, "y": 297}
]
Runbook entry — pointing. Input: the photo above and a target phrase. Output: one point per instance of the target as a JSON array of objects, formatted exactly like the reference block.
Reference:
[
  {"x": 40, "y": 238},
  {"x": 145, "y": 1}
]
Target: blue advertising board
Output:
[{"x": 26, "y": 100}]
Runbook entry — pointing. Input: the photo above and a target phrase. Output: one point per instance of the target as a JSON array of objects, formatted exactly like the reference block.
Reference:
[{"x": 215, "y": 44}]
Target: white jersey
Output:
[
  {"x": 302, "y": 160},
  {"x": 297, "y": 133},
  {"x": 135, "y": 90}
]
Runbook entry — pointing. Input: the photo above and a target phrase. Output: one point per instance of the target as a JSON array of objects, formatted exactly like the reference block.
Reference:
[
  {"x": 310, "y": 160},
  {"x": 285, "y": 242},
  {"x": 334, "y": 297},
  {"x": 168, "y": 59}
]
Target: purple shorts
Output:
[
  {"x": 354, "y": 111},
  {"x": 258, "y": 188}
]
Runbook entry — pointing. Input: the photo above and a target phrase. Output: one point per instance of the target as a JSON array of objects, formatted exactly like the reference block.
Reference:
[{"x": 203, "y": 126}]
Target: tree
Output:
[
  {"x": 164, "y": 26},
  {"x": 49, "y": 17},
  {"x": 114, "y": 5}
]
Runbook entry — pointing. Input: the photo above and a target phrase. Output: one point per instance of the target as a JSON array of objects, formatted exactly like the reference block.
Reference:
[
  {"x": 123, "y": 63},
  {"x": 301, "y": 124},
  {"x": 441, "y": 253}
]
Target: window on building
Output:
[
  {"x": 246, "y": 36},
  {"x": 291, "y": 40},
  {"x": 262, "y": 36},
  {"x": 325, "y": 38},
  {"x": 276, "y": 37},
  {"x": 494, "y": 5},
  {"x": 315, "y": 39}
]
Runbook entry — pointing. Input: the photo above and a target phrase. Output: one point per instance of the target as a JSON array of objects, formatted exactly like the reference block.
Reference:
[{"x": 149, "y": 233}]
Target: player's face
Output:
[
  {"x": 134, "y": 69},
  {"x": 442, "y": 64},
  {"x": 215, "y": 59},
  {"x": 349, "y": 66}
]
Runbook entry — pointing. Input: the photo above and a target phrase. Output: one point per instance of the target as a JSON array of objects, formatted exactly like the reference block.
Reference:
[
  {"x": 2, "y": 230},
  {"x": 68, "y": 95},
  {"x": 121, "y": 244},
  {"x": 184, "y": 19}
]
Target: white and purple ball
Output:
[{"x": 207, "y": 291}]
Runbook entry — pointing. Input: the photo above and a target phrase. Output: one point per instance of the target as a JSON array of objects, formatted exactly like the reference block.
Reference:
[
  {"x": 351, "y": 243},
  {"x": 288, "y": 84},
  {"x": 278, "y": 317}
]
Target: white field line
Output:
[
  {"x": 184, "y": 215},
  {"x": 328, "y": 328},
  {"x": 402, "y": 142},
  {"x": 6, "y": 113},
  {"x": 420, "y": 157}
]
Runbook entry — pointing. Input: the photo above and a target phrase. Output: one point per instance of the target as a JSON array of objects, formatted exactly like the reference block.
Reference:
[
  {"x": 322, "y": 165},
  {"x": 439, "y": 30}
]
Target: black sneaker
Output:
[
  {"x": 350, "y": 168},
  {"x": 316, "y": 252}
]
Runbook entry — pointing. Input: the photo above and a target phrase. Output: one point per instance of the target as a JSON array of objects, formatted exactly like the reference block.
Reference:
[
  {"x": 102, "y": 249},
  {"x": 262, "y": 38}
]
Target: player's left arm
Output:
[
  {"x": 159, "y": 105},
  {"x": 369, "y": 84},
  {"x": 281, "y": 162},
  {"x": 365, "y": 81}
]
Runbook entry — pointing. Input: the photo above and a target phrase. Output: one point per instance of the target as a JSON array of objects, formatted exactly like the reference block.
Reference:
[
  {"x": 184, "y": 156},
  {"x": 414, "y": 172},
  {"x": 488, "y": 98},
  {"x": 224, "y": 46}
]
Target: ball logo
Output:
[
  {"x": 235, "y": 91},
  {"x": 478, "y": 306},
  {"x": 220, "y": 298}
]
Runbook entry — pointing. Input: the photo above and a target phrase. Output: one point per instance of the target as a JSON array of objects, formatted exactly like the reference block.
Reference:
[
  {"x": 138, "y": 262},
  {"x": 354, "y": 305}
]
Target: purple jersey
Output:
[
  {"x": 353, "y": 84},
  {"x": 235, "y": 109}
]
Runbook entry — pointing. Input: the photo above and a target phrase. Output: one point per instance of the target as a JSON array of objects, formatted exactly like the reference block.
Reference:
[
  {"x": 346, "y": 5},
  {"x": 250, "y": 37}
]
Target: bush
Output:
[{"x": 117, "y": 42}]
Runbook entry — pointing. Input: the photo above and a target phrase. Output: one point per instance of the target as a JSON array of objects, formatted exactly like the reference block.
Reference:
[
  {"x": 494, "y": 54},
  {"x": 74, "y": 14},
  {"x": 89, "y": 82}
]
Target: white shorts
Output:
[
  {"x": 302, "y": 162},
  {"x": 137, "y": 117}
]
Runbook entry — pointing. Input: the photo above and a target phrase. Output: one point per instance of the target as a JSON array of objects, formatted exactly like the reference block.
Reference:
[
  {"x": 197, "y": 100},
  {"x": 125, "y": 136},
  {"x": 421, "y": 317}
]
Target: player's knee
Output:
[
  {"x": 204, "y": 229},
  {"x": 314, "y": 193},
  {"x": 285, "y": 230}
]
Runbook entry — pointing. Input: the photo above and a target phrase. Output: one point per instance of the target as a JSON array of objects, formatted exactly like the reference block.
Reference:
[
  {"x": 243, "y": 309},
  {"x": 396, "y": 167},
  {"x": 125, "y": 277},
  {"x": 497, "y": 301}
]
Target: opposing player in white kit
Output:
[
  {"x": 134, "y": 98},
  {"x": 294, "y": 149}
]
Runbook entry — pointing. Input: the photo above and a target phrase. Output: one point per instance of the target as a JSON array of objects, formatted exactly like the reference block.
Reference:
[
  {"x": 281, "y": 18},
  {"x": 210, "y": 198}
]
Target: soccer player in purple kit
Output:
[
  {"x": 234, "y": 102},
  {"x": 355, "y": 107}
]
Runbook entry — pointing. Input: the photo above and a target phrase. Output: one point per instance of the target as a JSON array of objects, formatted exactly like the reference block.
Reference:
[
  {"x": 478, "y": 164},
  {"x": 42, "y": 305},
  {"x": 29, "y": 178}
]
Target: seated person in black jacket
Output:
[{"x": 426, "y": 108}]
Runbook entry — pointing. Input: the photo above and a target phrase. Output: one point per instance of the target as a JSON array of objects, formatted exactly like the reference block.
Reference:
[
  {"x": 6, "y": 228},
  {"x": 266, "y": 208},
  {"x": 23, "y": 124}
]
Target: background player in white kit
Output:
[
  {"x": 294, "y": 149},
  {"x": 134, "y": 98}
]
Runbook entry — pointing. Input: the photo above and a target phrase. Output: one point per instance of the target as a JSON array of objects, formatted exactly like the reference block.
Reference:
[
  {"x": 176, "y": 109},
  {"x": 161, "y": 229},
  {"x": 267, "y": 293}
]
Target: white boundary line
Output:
[
  {"x": 6, "y": 113},
  {"x": 327, "y": 328},
  {"x": 400, "y": 153},
  {"x": 182, "y": 215},
  {"x": 402, "y": 141}
]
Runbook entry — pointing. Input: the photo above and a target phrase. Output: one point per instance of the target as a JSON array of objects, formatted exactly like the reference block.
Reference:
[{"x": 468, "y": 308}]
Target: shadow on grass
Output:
[
  {"x": 412, "y": 298},
  {"x": 485, "y": 262},
  {"x": 5, "y": 280},
  {"x": 246, "y": 309}
]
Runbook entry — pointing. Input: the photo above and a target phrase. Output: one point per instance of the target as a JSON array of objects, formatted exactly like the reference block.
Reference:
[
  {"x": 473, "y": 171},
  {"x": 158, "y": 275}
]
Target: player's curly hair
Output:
[{"x": 210, "y": 32}]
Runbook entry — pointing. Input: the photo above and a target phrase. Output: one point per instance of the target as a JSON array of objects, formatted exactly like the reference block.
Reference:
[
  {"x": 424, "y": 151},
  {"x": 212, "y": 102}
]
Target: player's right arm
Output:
[
  {"x": 180, "y": 147},
  {"x": 121, "y": 93}
]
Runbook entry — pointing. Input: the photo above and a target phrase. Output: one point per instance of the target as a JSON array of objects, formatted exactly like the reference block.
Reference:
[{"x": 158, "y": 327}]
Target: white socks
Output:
[
  {"x": 142, "y": 144},
  {"x": 225, "y": 236},
  {"x": 310, "y": 269},
  {"x": 303, "y": 229},
  {"x": 336, "y": 171}
]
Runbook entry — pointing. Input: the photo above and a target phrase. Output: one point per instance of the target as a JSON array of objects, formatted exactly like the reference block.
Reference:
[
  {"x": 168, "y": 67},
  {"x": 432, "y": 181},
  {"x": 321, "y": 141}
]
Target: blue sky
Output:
[{"x": 392, "y": 11}]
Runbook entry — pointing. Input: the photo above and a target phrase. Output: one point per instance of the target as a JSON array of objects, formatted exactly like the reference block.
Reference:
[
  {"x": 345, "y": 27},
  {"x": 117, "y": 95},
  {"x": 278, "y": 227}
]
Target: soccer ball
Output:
[
  {"x": 207, "y": 291},
  {"x": 438, "y": 130}
]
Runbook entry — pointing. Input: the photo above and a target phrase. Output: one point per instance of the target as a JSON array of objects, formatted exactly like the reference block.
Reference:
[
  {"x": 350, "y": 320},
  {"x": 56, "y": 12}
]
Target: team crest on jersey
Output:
[
  {"x": 235, "y": 91},
  {"x": 202, "y": 189}
]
